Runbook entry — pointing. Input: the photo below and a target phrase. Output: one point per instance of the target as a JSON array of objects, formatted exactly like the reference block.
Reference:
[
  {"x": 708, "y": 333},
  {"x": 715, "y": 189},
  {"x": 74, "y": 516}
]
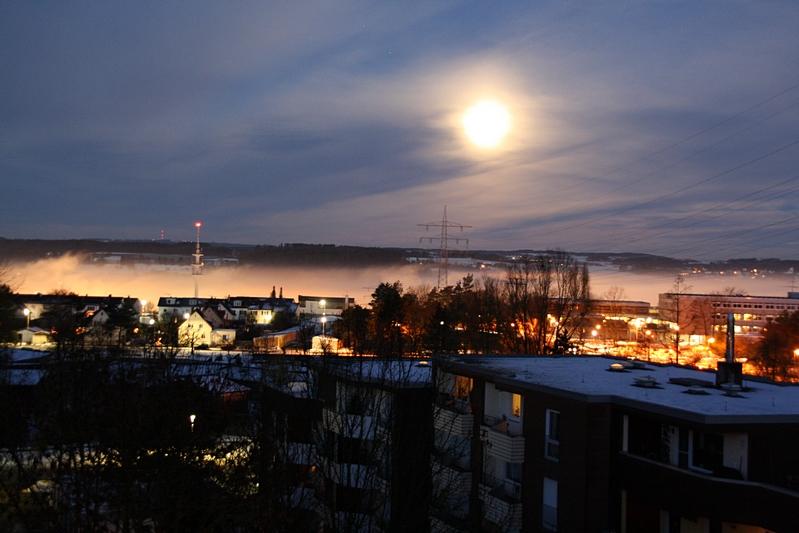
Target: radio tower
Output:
[
  {"x": 197, "y": 267},
  {"x": 444, "y": 239}
]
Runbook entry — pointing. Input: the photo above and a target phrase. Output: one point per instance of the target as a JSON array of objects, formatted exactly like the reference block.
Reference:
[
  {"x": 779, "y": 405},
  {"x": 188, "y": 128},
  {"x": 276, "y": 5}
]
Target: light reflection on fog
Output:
[{"x": 69, "y": 273}]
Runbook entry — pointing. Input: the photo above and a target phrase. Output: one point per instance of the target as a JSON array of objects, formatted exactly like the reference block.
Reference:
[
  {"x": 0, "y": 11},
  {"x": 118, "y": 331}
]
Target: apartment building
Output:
[
  {"x": 596, "y": 444},
  {"x": 360, "y": 432},
  {"x": 705, "y": 315}
]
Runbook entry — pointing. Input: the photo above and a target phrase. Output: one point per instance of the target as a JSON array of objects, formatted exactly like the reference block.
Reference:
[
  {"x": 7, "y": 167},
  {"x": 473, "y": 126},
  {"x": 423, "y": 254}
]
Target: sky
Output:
[{"x": 659, "y": 127}]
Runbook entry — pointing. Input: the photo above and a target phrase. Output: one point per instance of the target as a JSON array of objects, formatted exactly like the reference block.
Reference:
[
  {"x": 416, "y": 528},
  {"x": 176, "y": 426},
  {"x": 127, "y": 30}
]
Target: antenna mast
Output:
[
  {"x": 197, "y": 266},
  {"x": 444, "y": 239}
]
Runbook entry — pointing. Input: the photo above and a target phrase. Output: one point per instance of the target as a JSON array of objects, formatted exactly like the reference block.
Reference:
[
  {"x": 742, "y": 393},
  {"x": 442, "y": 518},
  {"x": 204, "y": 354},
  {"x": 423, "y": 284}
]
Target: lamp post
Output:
[
  {"x": 27, "y": 313},
  {"x": 324, "y": 322},
  {"x": 191, "y": 421},
  {"x": 324, "y": 318}
]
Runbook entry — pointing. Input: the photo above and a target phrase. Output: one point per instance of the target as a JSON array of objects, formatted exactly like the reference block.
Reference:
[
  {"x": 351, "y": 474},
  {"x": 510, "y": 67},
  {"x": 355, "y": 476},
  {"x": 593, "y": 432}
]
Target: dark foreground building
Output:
[{"x": 577, "y": 444}]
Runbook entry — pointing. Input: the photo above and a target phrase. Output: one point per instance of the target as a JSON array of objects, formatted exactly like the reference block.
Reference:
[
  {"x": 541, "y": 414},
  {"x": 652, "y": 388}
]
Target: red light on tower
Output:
[{"x": 198, "y": 224}]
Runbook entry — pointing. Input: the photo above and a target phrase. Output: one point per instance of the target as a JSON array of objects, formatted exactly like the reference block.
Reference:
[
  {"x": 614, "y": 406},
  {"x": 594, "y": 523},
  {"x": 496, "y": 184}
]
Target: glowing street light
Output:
[
  {"x": 27, "y": 313},
  {"x": 191, "y": 420},
  {"x": 324, "y": 318}
]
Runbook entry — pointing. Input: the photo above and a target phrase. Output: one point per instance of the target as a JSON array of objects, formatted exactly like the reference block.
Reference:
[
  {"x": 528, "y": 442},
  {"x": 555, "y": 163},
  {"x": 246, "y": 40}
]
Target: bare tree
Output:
[
  {"x": 545, "y": 299},
  {"x": 676, "y": 312}
]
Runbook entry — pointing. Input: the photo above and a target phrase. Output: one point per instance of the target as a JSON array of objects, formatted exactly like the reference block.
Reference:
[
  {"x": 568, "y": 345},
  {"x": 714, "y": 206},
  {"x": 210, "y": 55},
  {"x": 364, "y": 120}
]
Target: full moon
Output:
[{"x": 486, "y": 123}]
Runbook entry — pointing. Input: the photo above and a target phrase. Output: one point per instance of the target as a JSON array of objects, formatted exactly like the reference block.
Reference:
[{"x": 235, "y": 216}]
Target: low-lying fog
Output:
[{"x": 154, "y": 281}]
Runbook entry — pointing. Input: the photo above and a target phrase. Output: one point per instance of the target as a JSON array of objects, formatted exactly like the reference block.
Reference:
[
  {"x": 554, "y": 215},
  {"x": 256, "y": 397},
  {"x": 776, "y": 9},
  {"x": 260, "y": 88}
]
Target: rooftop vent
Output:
[
  {"x": 646, "y": 382},
  {"x": 732, "y": 389}
]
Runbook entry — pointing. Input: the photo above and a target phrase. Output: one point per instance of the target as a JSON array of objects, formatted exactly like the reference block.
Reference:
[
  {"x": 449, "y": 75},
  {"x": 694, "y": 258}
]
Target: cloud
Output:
[{"x": 339, "y": 122}]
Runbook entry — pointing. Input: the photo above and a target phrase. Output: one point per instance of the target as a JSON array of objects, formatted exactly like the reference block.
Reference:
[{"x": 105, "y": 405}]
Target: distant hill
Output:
[
  {"x": 335, "y": 256},
  {"x": 180, "y": 252}
]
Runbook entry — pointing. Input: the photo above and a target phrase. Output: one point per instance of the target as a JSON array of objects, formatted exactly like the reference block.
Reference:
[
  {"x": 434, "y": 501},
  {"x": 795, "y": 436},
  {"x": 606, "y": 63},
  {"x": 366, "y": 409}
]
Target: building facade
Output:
[
  {"x": 705, "y": 315},
  {"x": 596, "y": 444}
]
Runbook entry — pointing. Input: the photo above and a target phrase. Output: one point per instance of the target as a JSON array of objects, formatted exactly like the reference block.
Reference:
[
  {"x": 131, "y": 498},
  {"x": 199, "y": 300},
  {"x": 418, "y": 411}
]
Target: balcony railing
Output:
[
  {"x": 509, "y": 426},
  {"x": 503, "y": 488},
  {"x": 355, "y": 426},
  {"x": 503, "y": 439},
  {"x": 504, "y": 511},
  {"x": 451, "y": 478},
  {"x": 454, "y": 419},
  {"x": 349, "y": 474},
  {"x": 672, "y": 486}
]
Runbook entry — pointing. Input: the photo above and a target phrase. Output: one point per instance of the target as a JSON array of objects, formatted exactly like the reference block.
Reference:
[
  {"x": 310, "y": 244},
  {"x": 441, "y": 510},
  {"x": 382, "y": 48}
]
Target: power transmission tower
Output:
[{"x": 444, "y": 240}]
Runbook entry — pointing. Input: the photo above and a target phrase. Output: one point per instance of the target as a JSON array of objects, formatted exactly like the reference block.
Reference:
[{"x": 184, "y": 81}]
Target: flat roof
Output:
[{"x": 591, "y": 379}]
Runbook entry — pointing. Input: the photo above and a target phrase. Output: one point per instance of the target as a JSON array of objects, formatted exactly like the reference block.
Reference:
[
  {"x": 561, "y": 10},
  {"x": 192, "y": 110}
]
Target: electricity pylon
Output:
[{"x": 444, "y": 240}]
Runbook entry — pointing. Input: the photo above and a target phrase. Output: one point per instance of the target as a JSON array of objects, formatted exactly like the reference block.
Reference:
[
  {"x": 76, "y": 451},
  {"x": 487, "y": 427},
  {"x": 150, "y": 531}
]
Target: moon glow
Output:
[{"x": 486, "y": 123}]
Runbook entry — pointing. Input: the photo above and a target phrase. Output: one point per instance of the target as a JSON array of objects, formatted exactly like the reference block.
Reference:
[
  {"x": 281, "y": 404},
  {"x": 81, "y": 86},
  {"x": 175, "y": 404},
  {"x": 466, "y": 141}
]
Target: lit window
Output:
[
  {"x": 462, "y": 386},
  {"x": 552, "y": 445},
  {"x": 517, "y": 405}
]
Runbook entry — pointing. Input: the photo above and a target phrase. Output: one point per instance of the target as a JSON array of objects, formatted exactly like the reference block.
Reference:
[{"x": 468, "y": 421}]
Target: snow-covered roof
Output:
[
  {"x": 390, "y": 372},
  {"x": 677, "y": 391}
]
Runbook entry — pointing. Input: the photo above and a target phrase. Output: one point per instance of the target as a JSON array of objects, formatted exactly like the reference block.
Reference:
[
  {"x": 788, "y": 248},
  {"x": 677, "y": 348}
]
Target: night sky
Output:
[{"x": 663, "y": 127}]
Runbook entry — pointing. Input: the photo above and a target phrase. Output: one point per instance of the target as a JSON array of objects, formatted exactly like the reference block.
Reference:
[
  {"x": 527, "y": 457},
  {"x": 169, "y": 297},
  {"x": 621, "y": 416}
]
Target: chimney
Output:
[
  {"x": 729, "y": 354},
  {"x": 728, "y": 370}
]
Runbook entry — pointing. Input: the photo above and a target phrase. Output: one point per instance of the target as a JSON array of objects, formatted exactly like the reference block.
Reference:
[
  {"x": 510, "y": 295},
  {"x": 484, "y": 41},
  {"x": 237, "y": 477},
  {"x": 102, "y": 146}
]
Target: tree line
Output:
[{"x": 538, "y": 308}]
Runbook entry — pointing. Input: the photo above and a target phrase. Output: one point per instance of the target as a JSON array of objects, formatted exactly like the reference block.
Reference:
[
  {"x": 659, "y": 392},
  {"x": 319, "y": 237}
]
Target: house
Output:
[
  {"x": 323, "y": 305},
  {"x": 170, "y": 308},
  {"x": 257, "y": 310},
  {"x": 598, "y": 444},
  {"x": 243, "y": 309},
  {"x": 38, "y": 304},
  {"x": 325, "y": 344},
  {"x": 34, "y": 335},
  {"x": 277, "y": 340},
  {"x": 195, "y": 331}
]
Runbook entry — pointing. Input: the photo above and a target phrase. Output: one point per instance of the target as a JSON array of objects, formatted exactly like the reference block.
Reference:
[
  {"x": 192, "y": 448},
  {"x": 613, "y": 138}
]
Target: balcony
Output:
[
  {"x": 347, "y": 425},
  {"x": 503, "y": 439},
  {"x": 349, "y": 474},
  {"x": 503, "y": 504},
  {"x": 454, "y": 418},
  {"x": 452, "y": 477},
  {"x": 299, "y": 453},
  {"x": 672, "y": 487}
]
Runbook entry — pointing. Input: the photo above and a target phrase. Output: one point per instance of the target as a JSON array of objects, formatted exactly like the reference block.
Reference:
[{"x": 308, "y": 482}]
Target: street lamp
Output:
[
  {"x": 324, "y": 318},
  {"x": 191, "y": 420},
  {"x": 27, "y": 313}
]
